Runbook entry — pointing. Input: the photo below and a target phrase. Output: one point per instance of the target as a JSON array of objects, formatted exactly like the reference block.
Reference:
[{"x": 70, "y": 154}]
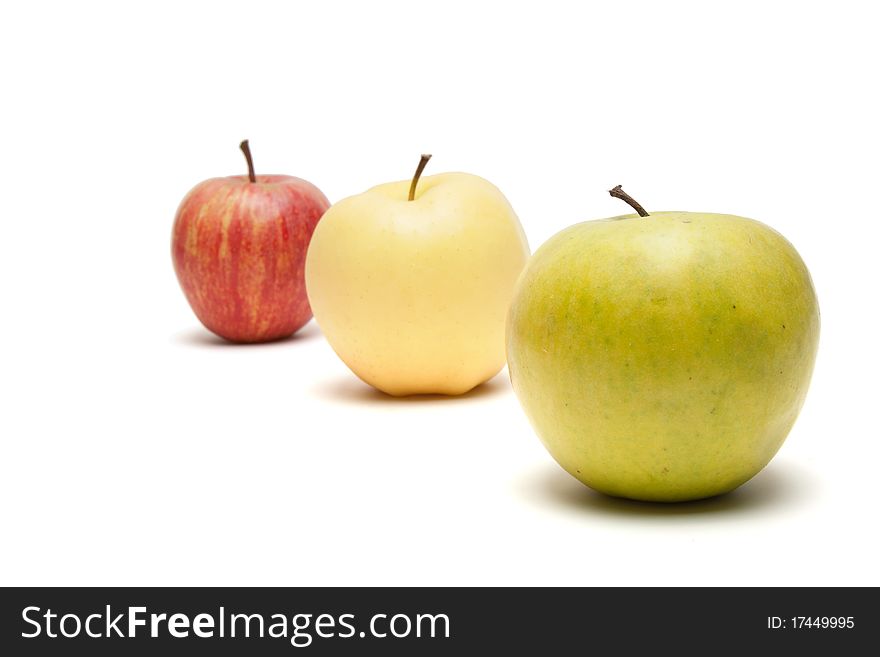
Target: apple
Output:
[
  {"x": 666, "y": 356},
  {"x": 239, "y": 246},
  {"x": 410, "y": 282}
]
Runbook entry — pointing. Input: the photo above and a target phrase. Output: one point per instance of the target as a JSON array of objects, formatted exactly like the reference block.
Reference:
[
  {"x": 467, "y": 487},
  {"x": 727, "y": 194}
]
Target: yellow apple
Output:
[
  {"x": 411, "y": 281},
  {"x": 663, "y": 357}
]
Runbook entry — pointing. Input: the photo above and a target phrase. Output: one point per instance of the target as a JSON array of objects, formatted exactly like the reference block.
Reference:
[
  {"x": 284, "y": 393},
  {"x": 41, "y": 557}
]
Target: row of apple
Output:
[{"x": 660, "y": 356}]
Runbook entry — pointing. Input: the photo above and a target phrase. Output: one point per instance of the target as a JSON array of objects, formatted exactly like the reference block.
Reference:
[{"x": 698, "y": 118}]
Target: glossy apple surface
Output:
[
  {"x": 663, "y": 357},
  {"x": 239, "y": 251},
  {"x": 413, "y": 295}
]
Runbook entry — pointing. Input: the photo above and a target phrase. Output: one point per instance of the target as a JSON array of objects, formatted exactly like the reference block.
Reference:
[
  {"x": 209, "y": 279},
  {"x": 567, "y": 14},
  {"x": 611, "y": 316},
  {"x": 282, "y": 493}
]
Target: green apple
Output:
[{"x": 666, "y": 356}]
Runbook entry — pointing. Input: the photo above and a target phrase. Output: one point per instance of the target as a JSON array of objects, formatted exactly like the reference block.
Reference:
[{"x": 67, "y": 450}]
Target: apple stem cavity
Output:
[
  {"x": 418, "y": 174},
  {"x": 618, "y": 192},
  {"x": 246, "y": 149}
]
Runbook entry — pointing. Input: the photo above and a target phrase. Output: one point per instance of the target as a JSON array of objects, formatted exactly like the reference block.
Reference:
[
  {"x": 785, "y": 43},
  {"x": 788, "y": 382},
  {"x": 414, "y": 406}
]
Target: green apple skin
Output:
[{"x": 663, "y": 358}]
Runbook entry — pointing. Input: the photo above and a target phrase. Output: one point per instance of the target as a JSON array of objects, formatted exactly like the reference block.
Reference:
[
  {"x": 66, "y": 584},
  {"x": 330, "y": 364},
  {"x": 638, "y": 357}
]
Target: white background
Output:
[{"x": 139, "y": 450}]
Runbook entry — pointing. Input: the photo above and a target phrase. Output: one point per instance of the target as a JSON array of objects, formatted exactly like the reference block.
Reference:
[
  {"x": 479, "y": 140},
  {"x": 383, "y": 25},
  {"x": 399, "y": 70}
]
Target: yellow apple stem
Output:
[
  {"x": 618, "y": 192},
  {"x": 246, "y": 149},
  {"x": 415, "y": 180}
]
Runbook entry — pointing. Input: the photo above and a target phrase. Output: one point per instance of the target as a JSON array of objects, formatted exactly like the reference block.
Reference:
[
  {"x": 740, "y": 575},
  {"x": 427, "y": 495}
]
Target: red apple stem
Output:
[
  {"x": 246, "y": 149},
  {"x": 618, "y": 192},
  {"x": 415, "y": 180}
]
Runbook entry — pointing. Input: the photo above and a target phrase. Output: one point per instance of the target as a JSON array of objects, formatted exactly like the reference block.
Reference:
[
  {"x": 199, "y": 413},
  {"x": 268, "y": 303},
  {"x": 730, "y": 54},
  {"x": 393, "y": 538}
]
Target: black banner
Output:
[{"x": 418, "y": 621}]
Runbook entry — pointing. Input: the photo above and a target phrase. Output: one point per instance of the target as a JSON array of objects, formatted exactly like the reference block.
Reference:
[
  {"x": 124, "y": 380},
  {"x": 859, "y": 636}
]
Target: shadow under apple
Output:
[
  {"x": 202, "y": 337},
  {"x": 780, "y": 485},
  {"x": 350, "y": 389}
]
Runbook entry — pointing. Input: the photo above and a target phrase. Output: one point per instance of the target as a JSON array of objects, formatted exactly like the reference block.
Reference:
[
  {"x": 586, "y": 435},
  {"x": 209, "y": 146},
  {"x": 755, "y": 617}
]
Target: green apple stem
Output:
[
  {"x": 618, "y": 192},
  {"x": 246, "y": 149},
  {"x": 415, "y": 180}
]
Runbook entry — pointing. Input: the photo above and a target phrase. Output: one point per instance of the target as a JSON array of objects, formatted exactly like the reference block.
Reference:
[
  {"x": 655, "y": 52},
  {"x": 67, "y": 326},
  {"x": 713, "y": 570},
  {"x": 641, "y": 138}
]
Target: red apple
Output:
[{"x": 239, "y": 248}]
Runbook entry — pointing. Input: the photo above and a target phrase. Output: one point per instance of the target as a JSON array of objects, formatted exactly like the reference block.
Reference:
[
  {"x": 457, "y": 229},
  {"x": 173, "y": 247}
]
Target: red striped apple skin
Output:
[{"x": 239, "y": 250}]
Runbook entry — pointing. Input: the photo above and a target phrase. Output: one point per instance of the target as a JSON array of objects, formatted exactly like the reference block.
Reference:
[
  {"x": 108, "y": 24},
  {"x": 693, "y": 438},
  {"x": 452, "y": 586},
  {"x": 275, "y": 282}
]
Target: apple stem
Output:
[
  {"x": 415, "y": 180},
  {"x": 246, "y": 149},
  {"x": 618, "y": 192}
]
